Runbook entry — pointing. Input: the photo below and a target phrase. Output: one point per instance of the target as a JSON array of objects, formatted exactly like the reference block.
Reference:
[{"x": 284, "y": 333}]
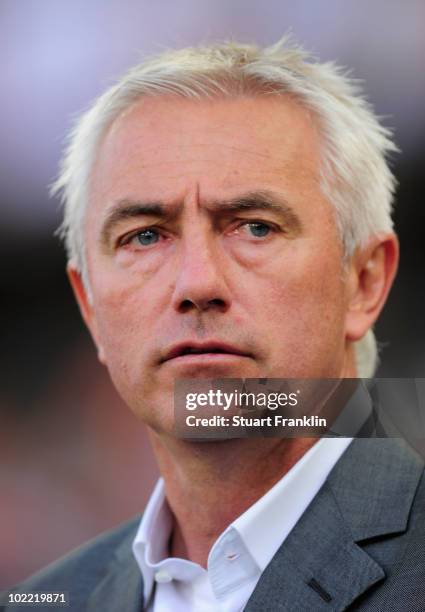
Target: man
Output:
[{"x": 227, "y": 215}]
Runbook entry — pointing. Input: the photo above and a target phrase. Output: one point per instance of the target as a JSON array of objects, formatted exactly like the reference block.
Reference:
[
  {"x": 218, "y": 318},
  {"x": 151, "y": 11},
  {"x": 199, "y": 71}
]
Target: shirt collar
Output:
[
  {"x": 267, "y": 523},
  {"x": 260, "y": 530},
  {"x": 151, "y": 543}
]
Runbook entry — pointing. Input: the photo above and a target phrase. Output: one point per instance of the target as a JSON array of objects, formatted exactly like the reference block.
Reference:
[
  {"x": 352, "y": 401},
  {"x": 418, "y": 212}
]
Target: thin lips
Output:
[{"x": 207, "y": 347}]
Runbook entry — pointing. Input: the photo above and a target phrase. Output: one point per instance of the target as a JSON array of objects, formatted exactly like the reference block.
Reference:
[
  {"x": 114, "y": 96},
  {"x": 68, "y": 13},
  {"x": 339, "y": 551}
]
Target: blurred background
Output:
[{"x": 73, "y": 460}]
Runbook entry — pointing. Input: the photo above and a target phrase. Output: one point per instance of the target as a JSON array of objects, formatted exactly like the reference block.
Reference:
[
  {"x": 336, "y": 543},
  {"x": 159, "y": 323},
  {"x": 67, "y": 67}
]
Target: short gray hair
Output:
[{"x": 355, "y": 176}]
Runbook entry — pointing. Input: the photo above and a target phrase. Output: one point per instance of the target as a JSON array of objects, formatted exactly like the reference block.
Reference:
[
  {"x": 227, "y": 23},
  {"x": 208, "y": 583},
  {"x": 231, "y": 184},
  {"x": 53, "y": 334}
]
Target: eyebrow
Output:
[
  {"x": 261, "y": 200},
  {"x": 251, "y": 201},
  {"x": 128, "y": 209}
]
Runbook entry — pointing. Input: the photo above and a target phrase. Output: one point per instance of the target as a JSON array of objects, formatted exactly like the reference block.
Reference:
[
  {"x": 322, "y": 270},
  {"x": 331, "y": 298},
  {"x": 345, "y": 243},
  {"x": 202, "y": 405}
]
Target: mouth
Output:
[{"x": 191, "y": 351}]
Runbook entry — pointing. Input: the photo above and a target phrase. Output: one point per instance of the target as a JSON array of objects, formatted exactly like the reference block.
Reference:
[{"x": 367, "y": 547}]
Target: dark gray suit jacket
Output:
[{"x": 360, "y": 545}]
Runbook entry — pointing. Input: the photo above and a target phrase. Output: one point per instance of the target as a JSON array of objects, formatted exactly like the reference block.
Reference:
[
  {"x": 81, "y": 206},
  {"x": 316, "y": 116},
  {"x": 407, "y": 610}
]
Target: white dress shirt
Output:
[{"x": 241, "y": 553}]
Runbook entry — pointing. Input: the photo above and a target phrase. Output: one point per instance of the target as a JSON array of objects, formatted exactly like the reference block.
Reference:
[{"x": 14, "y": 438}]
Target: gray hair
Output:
[{"x": 355, "y": 176}]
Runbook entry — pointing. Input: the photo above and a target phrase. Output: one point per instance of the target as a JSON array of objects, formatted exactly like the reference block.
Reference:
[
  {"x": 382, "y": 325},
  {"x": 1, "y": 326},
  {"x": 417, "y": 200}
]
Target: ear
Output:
[
  {"x": 86, "y": 308},
  {"x": 371, "y": 274}
]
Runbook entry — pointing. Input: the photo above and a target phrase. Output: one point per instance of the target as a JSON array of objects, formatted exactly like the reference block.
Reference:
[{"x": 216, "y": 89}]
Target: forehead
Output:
[{"x": 161, "y": 147}]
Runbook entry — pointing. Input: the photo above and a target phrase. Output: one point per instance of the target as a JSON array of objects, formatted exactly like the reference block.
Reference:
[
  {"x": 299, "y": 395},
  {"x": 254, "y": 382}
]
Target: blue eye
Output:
[
  {"x": 259, "y": 230},
  {"x": 147, "y": 237}
]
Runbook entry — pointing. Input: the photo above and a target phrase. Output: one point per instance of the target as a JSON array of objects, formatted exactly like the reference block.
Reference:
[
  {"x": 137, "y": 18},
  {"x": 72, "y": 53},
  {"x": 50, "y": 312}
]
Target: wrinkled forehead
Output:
[{"x": 160, "y": 148}]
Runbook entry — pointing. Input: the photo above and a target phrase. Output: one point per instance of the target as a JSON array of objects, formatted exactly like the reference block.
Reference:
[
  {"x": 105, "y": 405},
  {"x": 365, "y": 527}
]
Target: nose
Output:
[{"x": 200, "y": 284}]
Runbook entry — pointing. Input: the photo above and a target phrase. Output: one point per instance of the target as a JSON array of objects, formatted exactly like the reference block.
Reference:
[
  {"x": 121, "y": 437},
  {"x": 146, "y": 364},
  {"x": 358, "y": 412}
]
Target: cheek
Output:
[
  {"x": 121, "y": 322},
  {"x": 301, "y": 279},
  {"x": 305, "y": 300},
  {"x": 123, "y": 334}
]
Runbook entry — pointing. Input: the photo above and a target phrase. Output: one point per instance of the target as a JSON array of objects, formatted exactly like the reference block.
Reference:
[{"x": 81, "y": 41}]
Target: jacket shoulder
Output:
[{"x": 84, "y": 566}]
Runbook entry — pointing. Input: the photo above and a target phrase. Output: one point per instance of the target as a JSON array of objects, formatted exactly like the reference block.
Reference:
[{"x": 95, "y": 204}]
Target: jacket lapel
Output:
[
  {"x": 122, "y": 587},
  {"x": 321, "y": 565}
]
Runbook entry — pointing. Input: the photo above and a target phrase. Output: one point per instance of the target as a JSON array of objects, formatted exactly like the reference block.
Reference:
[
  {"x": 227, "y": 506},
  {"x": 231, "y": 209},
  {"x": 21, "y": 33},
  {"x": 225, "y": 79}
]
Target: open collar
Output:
[{"x": 321, "y": 565}]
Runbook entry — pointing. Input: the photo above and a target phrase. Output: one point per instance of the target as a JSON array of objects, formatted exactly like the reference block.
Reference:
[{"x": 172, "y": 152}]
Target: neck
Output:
[{"x": 210, "y": 484}]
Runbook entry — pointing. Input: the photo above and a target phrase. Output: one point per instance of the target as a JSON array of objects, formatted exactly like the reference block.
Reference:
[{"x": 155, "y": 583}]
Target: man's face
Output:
[{"x": 211, "y": 250}]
